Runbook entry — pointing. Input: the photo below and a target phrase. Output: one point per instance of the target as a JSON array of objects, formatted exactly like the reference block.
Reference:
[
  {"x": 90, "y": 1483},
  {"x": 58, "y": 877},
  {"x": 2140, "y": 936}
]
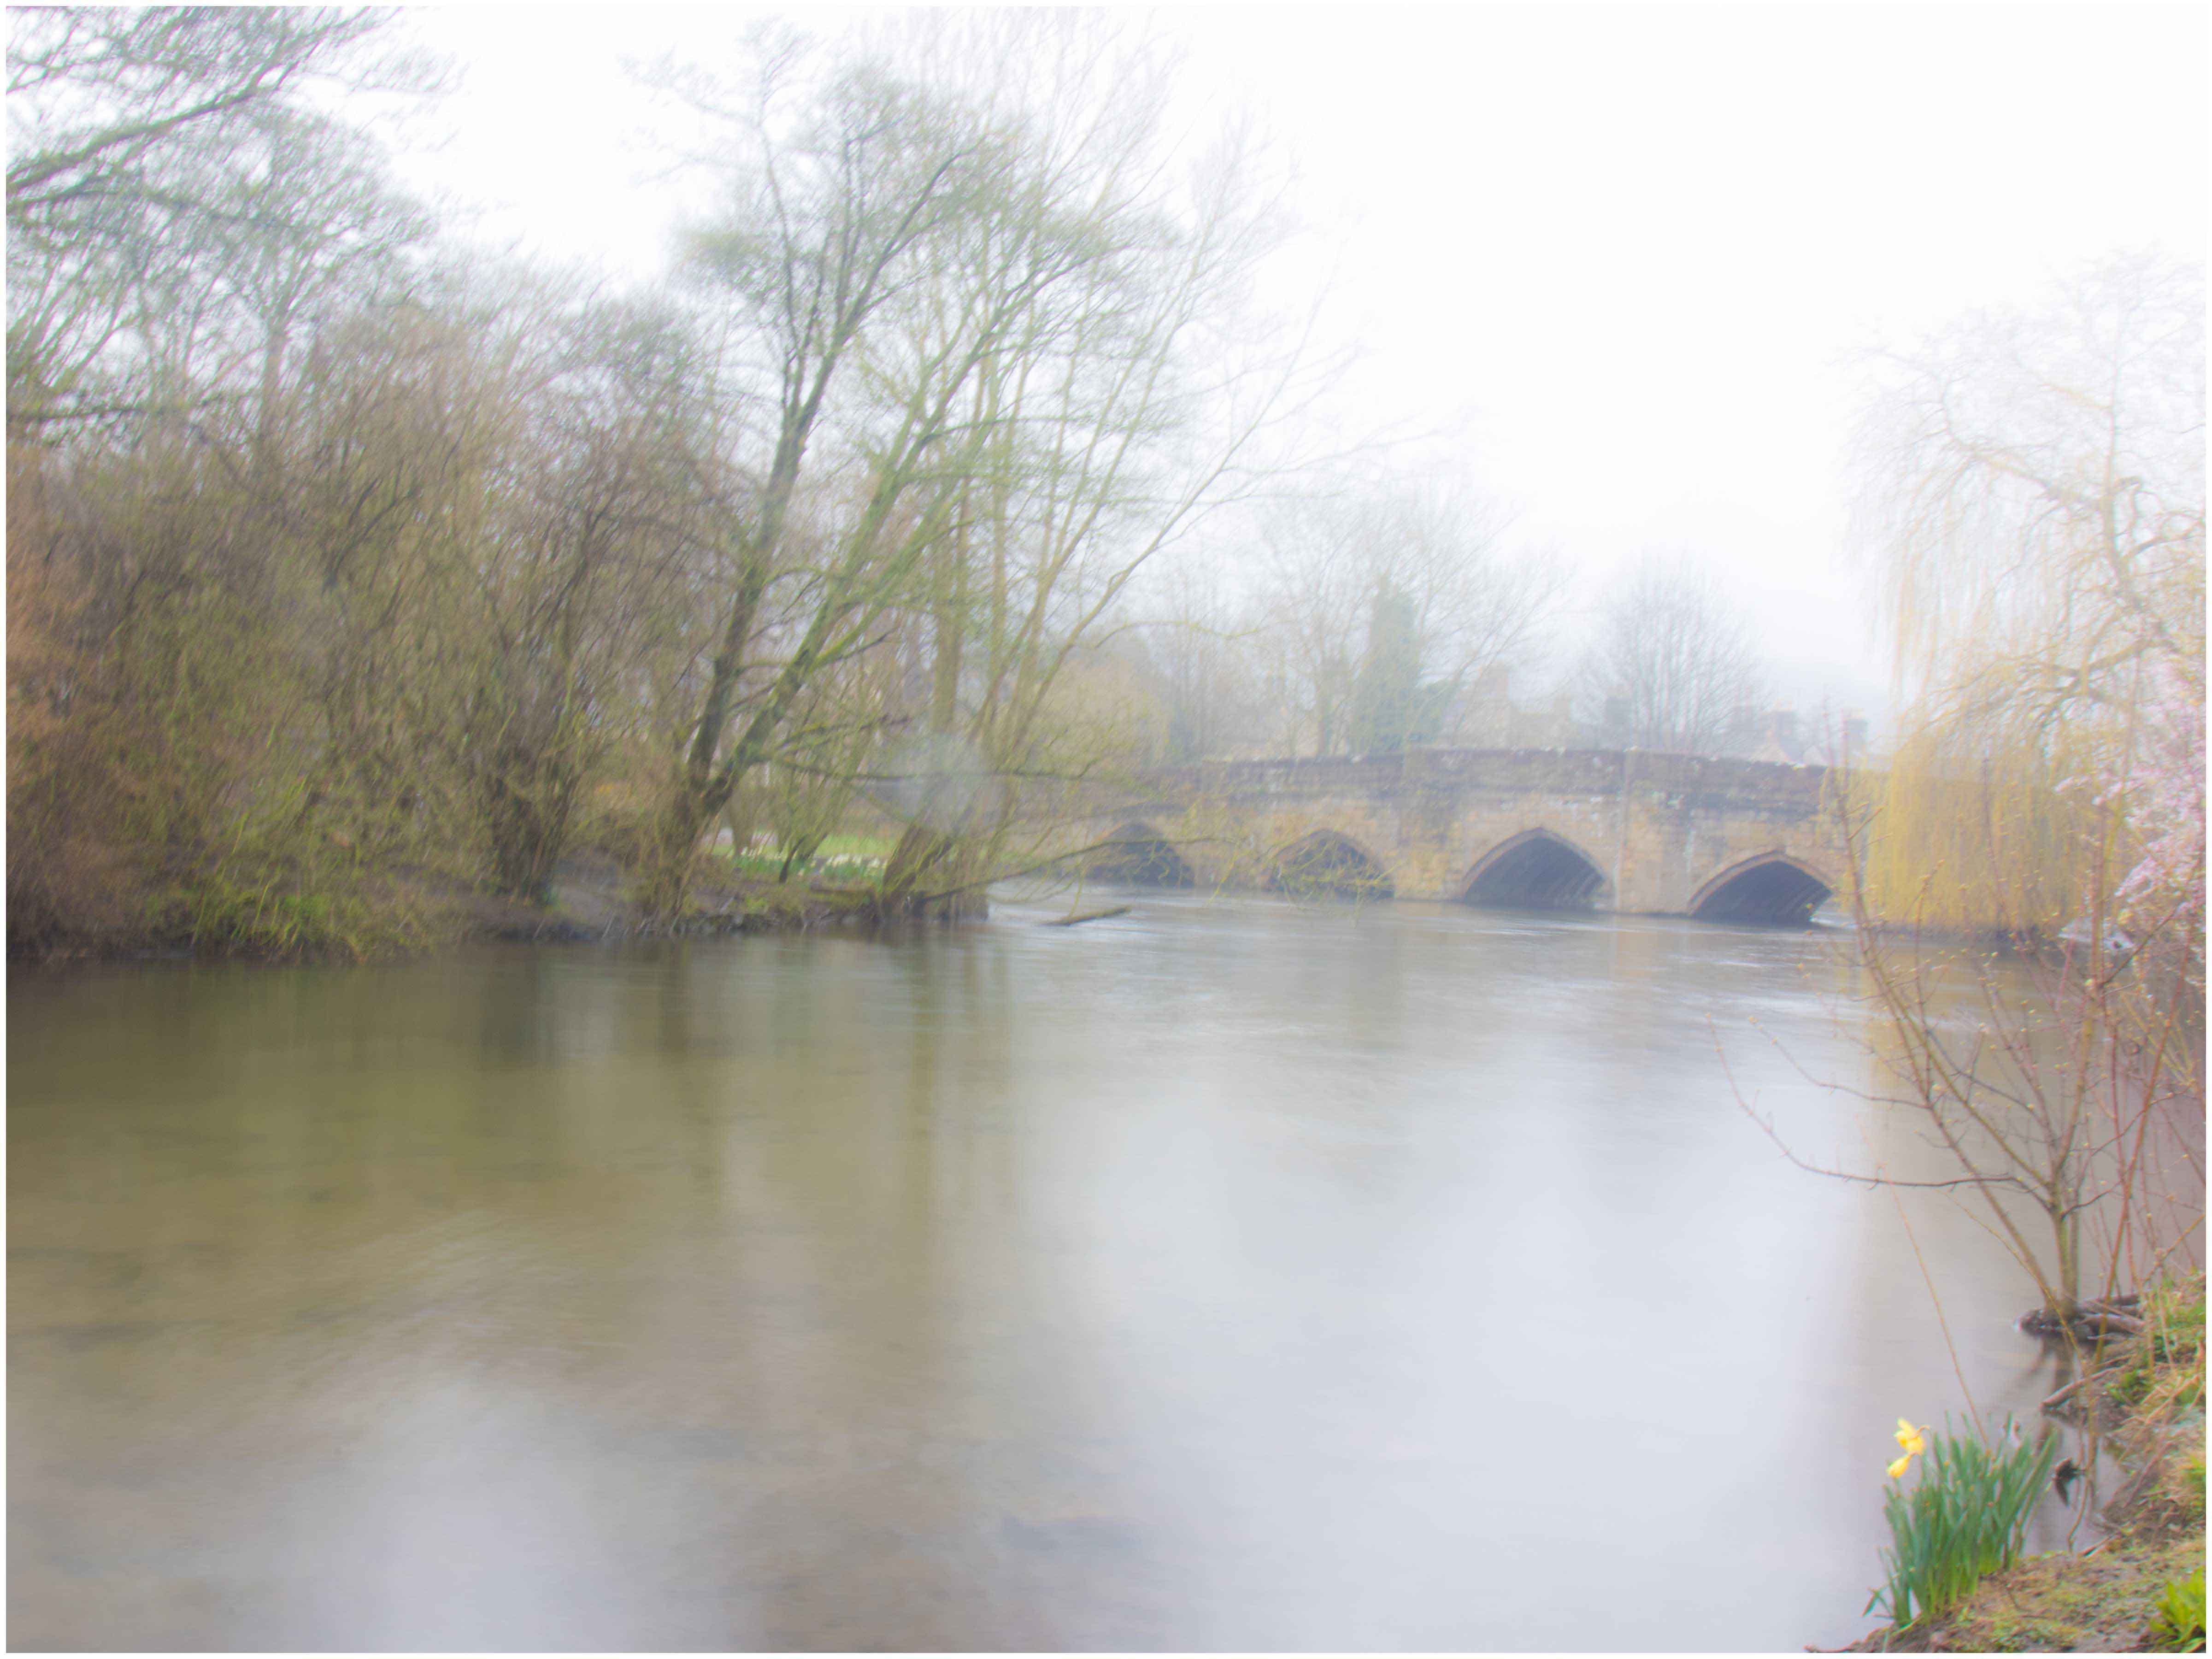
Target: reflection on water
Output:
[{"x": 1233, "y": 1274}]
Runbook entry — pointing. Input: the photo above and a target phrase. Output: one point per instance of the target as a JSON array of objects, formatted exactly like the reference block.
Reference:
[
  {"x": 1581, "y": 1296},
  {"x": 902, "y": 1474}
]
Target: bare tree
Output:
[
  {"x": 308, "y": 226},
  {"x": 1673, "y": 664},
  {"x": 989, "y": 333},
  {"x": 829, "y": 216},
  {"x": 1133, "y": 399},
  {"x": 1314, "y": 596},
  {"x": 2032, "y": 485},
  {"x": 1384, "y": 608},
  {"x": 130, "y": 133},
  {"x": 587, "y": 557},
  {"x": 101, "y": 96},
  {"x": 1209, "y": 665}
]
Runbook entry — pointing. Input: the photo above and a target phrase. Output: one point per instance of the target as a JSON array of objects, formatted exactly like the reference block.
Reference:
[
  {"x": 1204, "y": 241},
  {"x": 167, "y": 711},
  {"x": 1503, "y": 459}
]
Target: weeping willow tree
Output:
[
  {"x": 1973, "y": 829},
  {"x": 2034, "y": 490}
]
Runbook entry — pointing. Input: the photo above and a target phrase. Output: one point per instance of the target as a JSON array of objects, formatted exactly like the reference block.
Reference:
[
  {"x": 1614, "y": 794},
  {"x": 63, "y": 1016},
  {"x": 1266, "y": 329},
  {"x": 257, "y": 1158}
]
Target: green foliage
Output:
[
  {"x": 2173, "y": 1337},
  {"x": 2175, "y": 1315},
  {"x": 1963, "y": 1520},
  {"x": 1384, "y": 697},
  {"x": 1391, "y": 705},
  {"x": 2179, "y": 1625}
]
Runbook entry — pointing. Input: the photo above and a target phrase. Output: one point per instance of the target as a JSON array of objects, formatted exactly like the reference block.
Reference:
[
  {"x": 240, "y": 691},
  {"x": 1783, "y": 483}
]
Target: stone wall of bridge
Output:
[{"x": 1627, "y": 831}]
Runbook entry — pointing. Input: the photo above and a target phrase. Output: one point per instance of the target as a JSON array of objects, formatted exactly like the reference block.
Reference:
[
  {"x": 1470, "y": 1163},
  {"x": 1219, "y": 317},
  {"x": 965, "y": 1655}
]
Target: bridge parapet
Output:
[{"x": 1571, "y": 771}]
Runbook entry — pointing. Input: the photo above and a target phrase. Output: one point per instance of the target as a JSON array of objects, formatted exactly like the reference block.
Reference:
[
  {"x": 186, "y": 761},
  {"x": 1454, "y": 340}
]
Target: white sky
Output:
[{"x": 1621, "y": 253}]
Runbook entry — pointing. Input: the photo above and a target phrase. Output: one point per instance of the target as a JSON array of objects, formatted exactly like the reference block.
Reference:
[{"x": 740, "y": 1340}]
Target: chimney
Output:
[
  {"x": 1783, "y": 726},
  {"x": 1855, "y": 734}
]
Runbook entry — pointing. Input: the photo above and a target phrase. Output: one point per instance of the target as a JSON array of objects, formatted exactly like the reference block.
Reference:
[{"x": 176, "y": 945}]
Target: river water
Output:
[{"x": 1233, "y": 1273}]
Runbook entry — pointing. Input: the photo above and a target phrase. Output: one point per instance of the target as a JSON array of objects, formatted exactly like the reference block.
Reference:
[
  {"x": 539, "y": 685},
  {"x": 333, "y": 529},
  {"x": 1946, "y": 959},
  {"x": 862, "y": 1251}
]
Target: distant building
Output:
[
  {"x": 1777, "y": 736},
  {"x": 1488, "y": 718}
]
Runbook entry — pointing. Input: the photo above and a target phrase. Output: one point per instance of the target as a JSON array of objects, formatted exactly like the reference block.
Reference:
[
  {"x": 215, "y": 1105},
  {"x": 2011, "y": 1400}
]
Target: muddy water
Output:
[{"x": 1231, "y": 1273}]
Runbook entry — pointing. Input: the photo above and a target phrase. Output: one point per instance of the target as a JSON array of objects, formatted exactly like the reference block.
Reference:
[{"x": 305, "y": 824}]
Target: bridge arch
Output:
[
  {"x": 1773, "y": 888},
  {"x": 1535, "y": 870},
  {"x": 1137, "y": 854},
  {"x": 1327, "y": 864}
]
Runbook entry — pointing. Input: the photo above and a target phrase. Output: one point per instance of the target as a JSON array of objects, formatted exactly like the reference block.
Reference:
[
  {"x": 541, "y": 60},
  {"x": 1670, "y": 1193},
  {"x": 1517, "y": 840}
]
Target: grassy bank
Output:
[
  {"x": 754, "y": 891},
  {"x": 2140, "y": 1588},
  {"x": 413, "y": 911}
]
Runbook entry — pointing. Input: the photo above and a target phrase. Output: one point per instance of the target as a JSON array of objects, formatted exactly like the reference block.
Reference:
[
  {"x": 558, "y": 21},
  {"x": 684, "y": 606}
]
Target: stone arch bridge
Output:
[{"x": 1633, "y": 832}]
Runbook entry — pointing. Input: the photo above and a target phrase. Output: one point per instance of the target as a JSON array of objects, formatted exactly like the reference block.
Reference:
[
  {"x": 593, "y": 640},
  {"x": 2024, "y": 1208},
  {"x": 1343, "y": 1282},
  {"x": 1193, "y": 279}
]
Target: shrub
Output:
[{"x": 1963, "y": 1520}]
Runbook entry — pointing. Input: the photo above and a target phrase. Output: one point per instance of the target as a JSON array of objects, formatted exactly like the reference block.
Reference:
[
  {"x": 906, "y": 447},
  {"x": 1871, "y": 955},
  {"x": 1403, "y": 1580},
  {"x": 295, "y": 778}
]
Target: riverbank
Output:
[
  {"x": 591, "y": 903},
  {"x": 2128, "y": 1592},
  {"x": 419, "y": 912}
]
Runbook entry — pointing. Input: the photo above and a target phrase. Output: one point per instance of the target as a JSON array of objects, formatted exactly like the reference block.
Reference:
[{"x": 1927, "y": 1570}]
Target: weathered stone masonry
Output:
[{"x": 1628, "y": 831}]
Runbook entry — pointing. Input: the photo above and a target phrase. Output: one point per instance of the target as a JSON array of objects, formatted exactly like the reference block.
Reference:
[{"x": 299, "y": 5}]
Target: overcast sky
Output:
[{"x": 1621, "y": 255}]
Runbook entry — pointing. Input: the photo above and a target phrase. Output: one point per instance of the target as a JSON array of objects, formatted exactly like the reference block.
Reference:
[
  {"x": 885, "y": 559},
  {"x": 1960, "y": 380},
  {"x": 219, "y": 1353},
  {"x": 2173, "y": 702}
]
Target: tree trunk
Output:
[
  {"x": 673, "y": 858},
  {"x": 929, "y": 874}
]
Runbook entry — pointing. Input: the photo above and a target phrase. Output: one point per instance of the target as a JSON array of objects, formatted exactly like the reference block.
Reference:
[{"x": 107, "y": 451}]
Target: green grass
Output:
[
  {"x": 2173, "y": 1334},
  {"x": 1963, "y": 1519},
  {"x": 840, "y": 861},
  {"x": 274, "y": 919},
  {"x": 2173, "y": 1312},
  {"x": 2190, "y": 1482},
  {"x": 2107, "y": 1602},
  {"x": 857, "y": 847}
]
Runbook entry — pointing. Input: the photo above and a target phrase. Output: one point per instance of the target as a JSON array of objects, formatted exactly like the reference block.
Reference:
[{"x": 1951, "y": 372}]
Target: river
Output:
[{"x": 1233, "y": 1274}]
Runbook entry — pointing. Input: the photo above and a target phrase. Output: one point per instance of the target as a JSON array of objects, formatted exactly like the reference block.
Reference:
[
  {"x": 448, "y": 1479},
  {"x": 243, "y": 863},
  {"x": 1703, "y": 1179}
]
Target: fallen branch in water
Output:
[
  {"x": 1088, "y": 915},
  {"x": 2087, "y": 1320},
  {"x": 2079, "y": 1384}
]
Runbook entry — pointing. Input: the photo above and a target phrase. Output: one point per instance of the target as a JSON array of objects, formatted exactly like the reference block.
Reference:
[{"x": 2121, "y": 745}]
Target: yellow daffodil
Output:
[{"x": 1915, "y": 1441}]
